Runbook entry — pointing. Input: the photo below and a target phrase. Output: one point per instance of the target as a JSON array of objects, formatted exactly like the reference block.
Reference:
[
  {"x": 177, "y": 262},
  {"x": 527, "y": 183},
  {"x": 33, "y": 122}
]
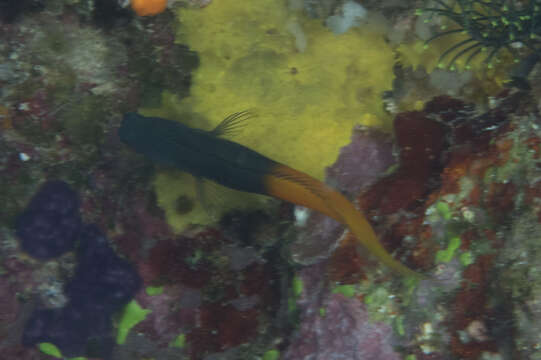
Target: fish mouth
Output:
[{"x": 126, "y": 132}]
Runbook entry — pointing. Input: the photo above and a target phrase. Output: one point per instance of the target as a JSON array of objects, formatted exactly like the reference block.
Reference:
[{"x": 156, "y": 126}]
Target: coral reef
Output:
[
  {"x": 448, "y": 206},
  {"x": 454, "y": 192},
  {"x": 461, "y": 215}
]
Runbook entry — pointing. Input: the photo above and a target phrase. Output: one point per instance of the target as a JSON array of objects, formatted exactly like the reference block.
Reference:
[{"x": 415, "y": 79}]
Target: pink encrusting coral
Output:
[
  {"x": 344, "y": 331},
  {"x": 362, "y": 161}
]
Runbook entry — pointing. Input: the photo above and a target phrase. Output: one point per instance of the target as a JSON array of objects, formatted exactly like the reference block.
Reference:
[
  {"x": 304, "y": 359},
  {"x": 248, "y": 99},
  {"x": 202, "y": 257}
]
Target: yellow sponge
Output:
[{"x": 307, "y": 86}]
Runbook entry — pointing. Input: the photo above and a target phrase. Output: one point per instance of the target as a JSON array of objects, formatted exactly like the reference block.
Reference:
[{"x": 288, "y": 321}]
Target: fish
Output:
[{"x": 208, "y": 155}]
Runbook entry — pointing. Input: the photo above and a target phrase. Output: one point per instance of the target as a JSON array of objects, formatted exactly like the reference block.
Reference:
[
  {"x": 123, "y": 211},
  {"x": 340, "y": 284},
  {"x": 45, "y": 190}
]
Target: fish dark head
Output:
[{"x": 131, "y": 128}]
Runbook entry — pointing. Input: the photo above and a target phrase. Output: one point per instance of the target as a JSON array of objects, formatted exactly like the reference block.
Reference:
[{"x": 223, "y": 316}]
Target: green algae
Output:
[
  {"x": 466, "y": 258},
  {"x": 399, "y": 325},
  {"x": 346, "y": 290},
  {"x": 131, "y": 316},
  {"x": 297, "y": 286},
  {"x": 154, "y": 290},
  {"x": 179, "y": 341},
  {"x": 443, "y": 210},
  {"x": 50, "y": 349},
  {"x": 380, "y": 305},
  {"x": 444, "y": 256},
  {"x": 271, "y": 355}
]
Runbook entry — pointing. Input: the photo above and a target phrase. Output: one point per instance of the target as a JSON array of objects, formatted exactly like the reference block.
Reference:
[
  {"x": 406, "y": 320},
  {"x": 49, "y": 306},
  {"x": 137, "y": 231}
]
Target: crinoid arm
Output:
[{"x": 492, "y": 25}]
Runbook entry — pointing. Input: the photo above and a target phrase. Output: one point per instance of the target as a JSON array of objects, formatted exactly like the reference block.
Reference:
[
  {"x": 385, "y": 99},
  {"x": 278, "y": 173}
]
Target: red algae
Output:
[
  {"x": 471, "y": 304},
  {"x": 534, "y": 143},
  {"x": 389, "y": 202},
  {"x": 168, "y": 262},
  {"x": 500, "y": 200},
  {"x": 220, "y": 328},
  {"x": 345, "y": 264},
  {"x": 256, "y": 278},
  {"x": 421, "y": 142}
]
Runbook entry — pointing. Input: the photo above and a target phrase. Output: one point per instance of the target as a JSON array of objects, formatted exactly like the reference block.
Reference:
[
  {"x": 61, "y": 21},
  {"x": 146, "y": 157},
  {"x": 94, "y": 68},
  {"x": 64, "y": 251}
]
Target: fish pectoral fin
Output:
[
  {"x": 232, "y": 124},
  {"x": 202, "y": 195},
  {"x": 217, "y": 199}
]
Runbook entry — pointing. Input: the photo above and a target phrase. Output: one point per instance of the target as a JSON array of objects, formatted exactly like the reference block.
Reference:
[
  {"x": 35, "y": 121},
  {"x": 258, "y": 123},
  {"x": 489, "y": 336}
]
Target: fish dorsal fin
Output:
[{"x": 232, "y": 124}]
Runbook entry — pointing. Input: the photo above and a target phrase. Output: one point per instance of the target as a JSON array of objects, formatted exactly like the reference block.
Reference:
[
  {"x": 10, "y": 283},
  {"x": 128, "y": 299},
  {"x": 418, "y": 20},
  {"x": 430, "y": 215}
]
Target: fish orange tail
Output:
[{"x": 299, "y": 188}]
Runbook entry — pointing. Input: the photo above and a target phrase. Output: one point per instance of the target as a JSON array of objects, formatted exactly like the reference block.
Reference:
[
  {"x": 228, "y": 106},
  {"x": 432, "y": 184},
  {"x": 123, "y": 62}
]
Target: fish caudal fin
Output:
[{"x": 294, "y": 186}]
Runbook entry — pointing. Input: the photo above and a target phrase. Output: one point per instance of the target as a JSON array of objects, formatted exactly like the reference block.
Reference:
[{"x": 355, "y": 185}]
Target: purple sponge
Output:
[
  {"x": 51, "y": 223},
  {"x": 75, "y": 330},
  {"x": 102, "y": 280}
]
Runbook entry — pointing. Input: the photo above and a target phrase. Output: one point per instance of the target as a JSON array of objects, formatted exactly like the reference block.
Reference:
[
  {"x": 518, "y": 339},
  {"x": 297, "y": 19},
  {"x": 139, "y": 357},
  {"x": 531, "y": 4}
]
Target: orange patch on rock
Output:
[{"x": 148, "y": 7}]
